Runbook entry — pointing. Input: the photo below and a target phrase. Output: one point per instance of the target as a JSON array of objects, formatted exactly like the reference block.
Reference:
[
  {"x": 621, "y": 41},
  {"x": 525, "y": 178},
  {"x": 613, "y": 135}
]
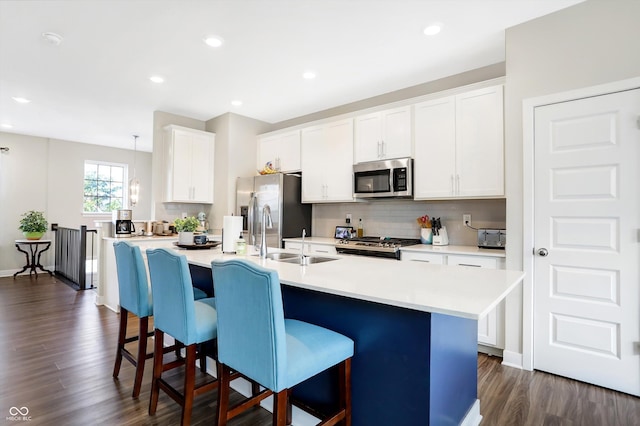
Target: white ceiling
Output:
[{"x": 94, "y": 87}]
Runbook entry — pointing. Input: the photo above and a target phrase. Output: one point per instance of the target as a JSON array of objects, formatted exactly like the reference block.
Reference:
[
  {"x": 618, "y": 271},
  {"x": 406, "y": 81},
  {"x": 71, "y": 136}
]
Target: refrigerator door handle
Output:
[{"x": 250, "y": 219}]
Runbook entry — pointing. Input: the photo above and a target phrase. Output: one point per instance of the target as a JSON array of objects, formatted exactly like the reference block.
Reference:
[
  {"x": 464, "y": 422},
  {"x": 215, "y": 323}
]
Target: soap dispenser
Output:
[{"x": 241, "y": 245}]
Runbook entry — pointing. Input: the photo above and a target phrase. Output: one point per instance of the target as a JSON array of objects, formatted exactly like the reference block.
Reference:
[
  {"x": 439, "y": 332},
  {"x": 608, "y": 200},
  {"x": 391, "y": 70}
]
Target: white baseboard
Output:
[
  {"x": 512, "y": 359},
  {"x": 473, "y": 417},
  {"x": 8, "y": 272}
]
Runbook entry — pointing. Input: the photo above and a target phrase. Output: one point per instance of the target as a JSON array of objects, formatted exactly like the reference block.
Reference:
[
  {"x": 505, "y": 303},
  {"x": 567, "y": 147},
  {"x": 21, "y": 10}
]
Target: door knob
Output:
[{"x": 543, "y": 252}]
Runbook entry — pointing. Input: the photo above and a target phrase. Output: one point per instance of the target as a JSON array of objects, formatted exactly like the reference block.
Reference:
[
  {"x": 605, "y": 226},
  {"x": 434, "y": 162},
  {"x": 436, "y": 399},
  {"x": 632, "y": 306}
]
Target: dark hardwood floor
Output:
[{"x": 58, "y": 349}]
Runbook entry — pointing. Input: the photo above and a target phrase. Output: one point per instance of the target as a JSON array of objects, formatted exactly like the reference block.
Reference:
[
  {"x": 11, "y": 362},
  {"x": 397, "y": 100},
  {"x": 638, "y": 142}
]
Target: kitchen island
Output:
[{"x": 414, "y": 327}]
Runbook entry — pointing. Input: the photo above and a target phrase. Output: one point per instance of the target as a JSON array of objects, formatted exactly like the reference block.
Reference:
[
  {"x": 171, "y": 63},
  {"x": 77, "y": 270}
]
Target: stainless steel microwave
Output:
[{"x": 385, "y": 178}]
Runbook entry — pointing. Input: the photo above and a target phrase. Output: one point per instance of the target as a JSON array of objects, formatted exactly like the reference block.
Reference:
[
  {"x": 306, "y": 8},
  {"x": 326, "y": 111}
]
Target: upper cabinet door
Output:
[
  {"x": 382, "y": 135},
  {"x": 282, "y": 150},
  {"x": 368, "y": 137},
  {"x": 313, "y": 162},
  {"x": 459, "y": 146},
  {"x": 435, "y": 149},
  {"x": 339, "y": 147},
  {"x": 480, "y": 142},
  {"x": 396, "y": 133},
  {"x": 189, "y": 167},
  {"x": 327, "y": 162}
]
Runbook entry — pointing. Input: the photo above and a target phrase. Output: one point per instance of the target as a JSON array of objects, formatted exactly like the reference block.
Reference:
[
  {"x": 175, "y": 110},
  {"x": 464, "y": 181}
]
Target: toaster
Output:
[{"x": 492, "y": 238}]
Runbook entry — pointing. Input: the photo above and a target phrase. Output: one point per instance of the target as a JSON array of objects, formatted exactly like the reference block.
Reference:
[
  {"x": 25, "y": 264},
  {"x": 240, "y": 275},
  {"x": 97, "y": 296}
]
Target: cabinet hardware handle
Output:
[
  {"x": 468, "y": 264},
  {"x": 457, "y": 184},
  {"x": 421, "y": 260},
  {"x": 453, "y": 192}
]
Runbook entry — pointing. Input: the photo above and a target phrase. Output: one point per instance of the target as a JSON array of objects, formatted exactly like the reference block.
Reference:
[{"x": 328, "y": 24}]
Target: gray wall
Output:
[
  {"x": 47, "y": 175},
  {"x": 591, "y": 43},
  {"x": 469, "y": 77},
  {"x": 235, "y": 157}
]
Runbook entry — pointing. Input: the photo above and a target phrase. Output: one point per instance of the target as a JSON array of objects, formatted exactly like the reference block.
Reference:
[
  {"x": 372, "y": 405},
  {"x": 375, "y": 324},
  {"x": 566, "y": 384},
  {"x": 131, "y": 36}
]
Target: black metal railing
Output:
[{"x": 71, "y": 256}]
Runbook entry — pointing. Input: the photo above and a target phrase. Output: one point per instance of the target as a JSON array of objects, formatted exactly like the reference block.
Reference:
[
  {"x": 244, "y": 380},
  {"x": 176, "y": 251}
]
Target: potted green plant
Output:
[
  {"x": 33, "y": 225},
  {"x": 185, "y": 228}
]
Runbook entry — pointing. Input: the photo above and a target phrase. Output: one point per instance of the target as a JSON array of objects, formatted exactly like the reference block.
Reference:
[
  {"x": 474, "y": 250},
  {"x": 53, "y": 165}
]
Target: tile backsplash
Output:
[{"x": 397, "y": 218}]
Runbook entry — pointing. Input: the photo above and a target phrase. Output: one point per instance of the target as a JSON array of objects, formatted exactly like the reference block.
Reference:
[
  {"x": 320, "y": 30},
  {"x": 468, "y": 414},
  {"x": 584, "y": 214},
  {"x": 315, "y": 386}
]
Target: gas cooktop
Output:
[{"x": 375, "y": 246}]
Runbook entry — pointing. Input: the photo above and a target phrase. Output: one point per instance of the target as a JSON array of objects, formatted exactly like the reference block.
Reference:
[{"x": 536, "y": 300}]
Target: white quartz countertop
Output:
[
  {"x": 144, "y": 238},
  {"x": 466, "y": 250},
  {"x": 419, "y": 248},
  {"x": 150, "y": 238},
  {"x": 451, "y": 290}
]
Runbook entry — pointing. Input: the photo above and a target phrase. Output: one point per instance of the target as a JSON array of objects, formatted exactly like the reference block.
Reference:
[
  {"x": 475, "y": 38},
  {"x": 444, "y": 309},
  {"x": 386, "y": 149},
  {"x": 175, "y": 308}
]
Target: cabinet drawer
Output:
[
  {"x": 474, "y": 261},
  {"x": 436, "y": 259},
  {"x": 310, "y": 248}
]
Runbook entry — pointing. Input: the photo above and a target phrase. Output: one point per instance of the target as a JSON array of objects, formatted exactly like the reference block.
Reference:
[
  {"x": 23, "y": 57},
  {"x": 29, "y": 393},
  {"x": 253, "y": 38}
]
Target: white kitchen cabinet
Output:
[
  {"x": 311, "y": 248},
  {"x": 491, "y": 326},
  {"x": 282, "y": 150},
  {"x": 383, "y": 135},
  {"x": 189, "y": 155},
  {"x": 459, "y": 145},
  {"x": 436, "y": 259},
  {"x": 327, "y": 162}
]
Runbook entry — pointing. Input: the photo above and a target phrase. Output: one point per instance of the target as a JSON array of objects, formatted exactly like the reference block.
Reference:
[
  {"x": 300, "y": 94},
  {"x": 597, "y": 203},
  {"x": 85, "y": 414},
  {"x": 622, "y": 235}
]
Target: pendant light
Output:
[{"x": 134, "y": 183}]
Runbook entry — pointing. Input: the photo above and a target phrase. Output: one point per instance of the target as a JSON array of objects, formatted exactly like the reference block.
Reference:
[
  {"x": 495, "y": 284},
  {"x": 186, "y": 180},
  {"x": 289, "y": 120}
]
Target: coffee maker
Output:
[{"x": 122, "y": 223}]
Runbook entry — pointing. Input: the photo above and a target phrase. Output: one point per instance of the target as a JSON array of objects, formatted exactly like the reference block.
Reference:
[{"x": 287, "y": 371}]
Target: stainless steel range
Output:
[{"x": 375, "y": 246}]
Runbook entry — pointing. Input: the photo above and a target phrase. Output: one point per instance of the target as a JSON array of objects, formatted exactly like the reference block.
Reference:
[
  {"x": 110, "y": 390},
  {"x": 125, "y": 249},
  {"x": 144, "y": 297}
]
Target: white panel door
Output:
[{"x": 587, "y": 230}]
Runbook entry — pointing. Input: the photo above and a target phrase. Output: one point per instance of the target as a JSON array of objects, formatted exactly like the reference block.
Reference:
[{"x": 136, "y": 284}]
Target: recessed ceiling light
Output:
[
  {"x": 236, "y": 103},
  {"x": 6, "y": 126},
  {"x": 213, "y": 41},
  {"x": 309, "y": 75},
  {"x": 21, "y": 100},
  {"x": 156, "y": 79},
  {"x": 52, "y": 38},
  {"x": 433, "y": 29}
]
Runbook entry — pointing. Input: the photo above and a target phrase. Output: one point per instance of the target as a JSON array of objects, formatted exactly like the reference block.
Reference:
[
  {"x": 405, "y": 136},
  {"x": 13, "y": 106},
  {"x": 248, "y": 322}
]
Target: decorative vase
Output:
[
  {"x": 426, "y": 235},
  {"x": 185, "y": 237},
  {"x": 33, "y": 235}
]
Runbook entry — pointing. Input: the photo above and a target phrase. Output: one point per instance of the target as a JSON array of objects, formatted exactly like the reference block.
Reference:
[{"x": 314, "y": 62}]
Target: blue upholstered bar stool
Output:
[
  {"x": 135, "y": 298},
  {"x": 256, "y": 340},
  {"x": 189, "y": 321}
]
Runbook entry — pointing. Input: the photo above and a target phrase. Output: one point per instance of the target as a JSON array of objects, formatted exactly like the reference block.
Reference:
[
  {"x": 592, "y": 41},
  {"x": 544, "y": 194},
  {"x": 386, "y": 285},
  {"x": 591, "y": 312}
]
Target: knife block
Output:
[{"x": 442, "y": 239}]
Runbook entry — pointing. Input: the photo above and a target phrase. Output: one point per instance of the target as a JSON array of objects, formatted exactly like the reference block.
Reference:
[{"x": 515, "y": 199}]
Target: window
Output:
[{"x": 104, "y": 187}]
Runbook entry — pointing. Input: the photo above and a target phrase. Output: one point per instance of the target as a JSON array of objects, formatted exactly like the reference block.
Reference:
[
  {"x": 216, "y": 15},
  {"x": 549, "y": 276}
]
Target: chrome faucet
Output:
[
  {"x": 267, "y": 223},
  {"x": 303, "y": 258}
]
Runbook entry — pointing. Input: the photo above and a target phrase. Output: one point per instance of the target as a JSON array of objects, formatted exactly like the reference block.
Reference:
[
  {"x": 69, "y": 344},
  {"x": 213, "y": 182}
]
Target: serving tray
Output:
[{"x": 208, "y": 245}]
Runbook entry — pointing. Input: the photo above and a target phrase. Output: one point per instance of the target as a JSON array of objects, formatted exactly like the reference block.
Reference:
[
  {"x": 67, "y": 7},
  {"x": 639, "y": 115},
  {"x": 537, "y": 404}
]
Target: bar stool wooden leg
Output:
[
  {"x": 143, "y": 333},
  {"x": 280, "y": 408},
  {"x": 189, "y": 384},
  {"x": 157, "y": 371},
  {"x": 224, "y": 380},
  {"x": 124, "y": 316}
]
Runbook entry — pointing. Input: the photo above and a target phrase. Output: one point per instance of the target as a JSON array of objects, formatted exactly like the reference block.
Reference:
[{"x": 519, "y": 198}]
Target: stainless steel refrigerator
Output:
[{"x": 282, "y": 192}]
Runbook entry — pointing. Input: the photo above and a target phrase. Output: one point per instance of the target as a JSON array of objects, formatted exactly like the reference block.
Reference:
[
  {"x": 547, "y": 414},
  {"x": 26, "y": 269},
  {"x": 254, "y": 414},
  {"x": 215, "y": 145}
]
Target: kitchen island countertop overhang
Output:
[{"x": 450, "y": 290}]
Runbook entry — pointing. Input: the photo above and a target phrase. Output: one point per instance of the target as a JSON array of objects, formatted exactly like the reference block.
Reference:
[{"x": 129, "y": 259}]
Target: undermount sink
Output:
[
  {"x": 295, "y": 258},
  {"x": 282, "y": 257},
  {"x": 309, "y": 260}
]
